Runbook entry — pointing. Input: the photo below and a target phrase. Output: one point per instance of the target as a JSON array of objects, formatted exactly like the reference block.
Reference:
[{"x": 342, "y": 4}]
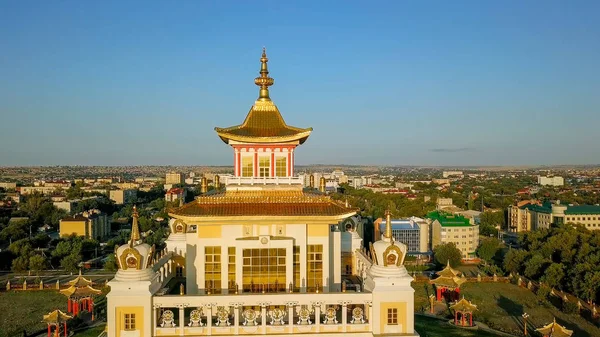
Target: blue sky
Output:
[{"x": 389, "y": 82}]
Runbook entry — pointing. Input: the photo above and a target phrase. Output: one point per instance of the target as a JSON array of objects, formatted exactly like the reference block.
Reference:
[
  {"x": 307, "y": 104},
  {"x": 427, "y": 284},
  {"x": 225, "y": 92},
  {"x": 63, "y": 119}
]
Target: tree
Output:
[
  {"x": 20, "y": 264},
  {"x": 111, "y": 263},
  {"x": 37, "y": 263},
  {"x": 534, "y": 266},
  {"x": 513, "y": 260},
  {"x": 554, "y": 275},
  {"x": 70, "y": 262},
  {"x": 488, "y": 248},
  {"x": 447, "y": 252}
]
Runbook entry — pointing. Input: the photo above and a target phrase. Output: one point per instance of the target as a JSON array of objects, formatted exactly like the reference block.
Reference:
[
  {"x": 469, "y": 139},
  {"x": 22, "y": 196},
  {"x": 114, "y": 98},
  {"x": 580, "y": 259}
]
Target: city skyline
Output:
[{"x": 401, "y": 84}]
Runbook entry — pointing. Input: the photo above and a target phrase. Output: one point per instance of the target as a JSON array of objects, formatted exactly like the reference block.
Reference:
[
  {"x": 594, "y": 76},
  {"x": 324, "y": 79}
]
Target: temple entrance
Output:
[{"x": 263, "y": 270}]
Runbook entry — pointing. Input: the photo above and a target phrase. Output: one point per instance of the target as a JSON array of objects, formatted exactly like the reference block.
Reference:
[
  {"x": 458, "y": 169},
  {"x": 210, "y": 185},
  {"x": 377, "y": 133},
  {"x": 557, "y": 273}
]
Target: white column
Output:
[
  {"x": 236, "y": 318},
  {"x": 263, "y": 316},
  {"x": 155, "y": 320},
  {"x": 369, "y": 306},
  {"x": 344, "y": 315},
  {"x": 209, "y": 320},
  {"x": 291, "y": 306},
  {"x": 317, "y": 306},
  {"x": 181, "y": 318}
]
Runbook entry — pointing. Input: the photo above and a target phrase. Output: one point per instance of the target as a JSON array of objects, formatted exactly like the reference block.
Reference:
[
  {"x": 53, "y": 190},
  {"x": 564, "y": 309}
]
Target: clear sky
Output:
[{"x": 381, "y": 82}]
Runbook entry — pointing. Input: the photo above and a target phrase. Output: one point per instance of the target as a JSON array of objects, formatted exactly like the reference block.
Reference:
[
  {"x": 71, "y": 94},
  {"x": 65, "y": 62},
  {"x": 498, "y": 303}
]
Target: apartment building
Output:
[
  {"x": 121, "y": 197},
  {"x": 551, "y": 181},
  {"x": 531, "y": 216},
  {"x": 447, "y": 228},
  {"x": 413, "y": 232},
  {"x": 92, "y": 224}
]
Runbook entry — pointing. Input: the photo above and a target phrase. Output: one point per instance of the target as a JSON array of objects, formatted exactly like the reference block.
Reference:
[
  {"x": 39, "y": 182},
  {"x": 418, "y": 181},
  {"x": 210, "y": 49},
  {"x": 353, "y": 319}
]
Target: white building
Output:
[{"x": 551, "y": 181}]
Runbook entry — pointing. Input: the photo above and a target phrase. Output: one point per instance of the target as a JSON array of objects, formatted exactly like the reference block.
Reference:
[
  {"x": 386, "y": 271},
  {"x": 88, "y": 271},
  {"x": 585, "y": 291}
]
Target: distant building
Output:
[
  {"x": 121, "y": 197},
  {"x": 174, "y": 178},
  {"x": 45, "y": 190},
  {"x": 473, "y": 216},
  {"x": 447, "y": 228},
  {"x": 413, "y": 232},
  {"x": 448, "y": 174},
  {"x": 442, "y": 203},
  {"x": 69, "y": 205},
  {"x": 533, "y": 216},
  {"x": 92, "y": 224},
  {"x": 174, "y": 194},
  {"x": 551, "y": 181},
  {"x": 442, "y": 182},
  {"x": 7, "y": 186}
]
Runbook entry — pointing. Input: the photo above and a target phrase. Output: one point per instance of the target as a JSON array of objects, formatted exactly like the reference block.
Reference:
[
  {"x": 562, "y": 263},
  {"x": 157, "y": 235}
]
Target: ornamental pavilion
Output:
[
  {"x": 80, "y": 295},
  {"x": 462, "y": 309},
  {"x": 448, "y": 282},
  {"x": 554, "y": 330},
  {"x": 56, "y": 319},
  {"x": 261, "y": 254}
]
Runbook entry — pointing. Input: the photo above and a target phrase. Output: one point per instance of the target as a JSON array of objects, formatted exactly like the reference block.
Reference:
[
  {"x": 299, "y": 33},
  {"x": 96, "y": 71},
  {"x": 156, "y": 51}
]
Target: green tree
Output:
[
  {"x": 37, "y": 263},
  {"x": 554, "y": 274},
  {"x": 488, "y": 248},
  {"x": 534, "y": 266},
  {"x": 20, "y": 264},
  {"x": 514, "y": 260},
  {"x": 70, "y": 262},
  {"x": 111, "y": 263},
  {"x": 447, "y": 252}
]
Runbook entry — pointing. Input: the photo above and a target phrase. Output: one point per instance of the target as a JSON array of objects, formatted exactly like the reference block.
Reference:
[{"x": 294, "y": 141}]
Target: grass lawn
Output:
[
  {"x": 92, "y": 332},
  {"x": 431, "y": 327},
  {"x": 500, "y": 305},
  {"x": 23, "y": 310}
]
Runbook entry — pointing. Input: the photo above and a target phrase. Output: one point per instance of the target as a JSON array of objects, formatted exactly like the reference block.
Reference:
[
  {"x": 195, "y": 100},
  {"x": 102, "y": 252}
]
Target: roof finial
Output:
[
  {"x": 135, "y": 229},
  {"x": 264, "y": 81},
  {"x": 388, "y": 224}
]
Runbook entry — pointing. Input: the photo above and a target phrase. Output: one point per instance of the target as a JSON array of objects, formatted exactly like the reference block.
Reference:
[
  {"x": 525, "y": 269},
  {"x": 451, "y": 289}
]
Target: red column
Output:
[
  {"x": 289, "y": 163},
  {"x": 92, "y": 309},
  {"x": 235, "y": 163},
  {"x": 272, "y": 163},
  {"x": 256, "y": 164},
  {"x": 69, "y": 305},
  {"x": 455, "y": 318},
  {"x": 65, "y": 329},
  {"x": 49, "y": 330},
  {"x": 292, "y": 164},
  {"x": 471, "y": 319}
]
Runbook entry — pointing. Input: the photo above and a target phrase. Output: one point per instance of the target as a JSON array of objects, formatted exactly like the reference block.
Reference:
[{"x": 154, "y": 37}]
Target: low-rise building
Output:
[
  {"x": 70, "y": 205},
  {"x": 447, "y": 228},
  {"x": 174, "y": 178},
  {"x": 92, "y": 224},
  {"x": 551, "y": 181},
  {"x": 7, "y": 186},
  {"x": 413, "y": 232},
  {"x": 121, "y": 197},
  {"x": 531, "y": 216},
  {"x": 447, "y": 174},
  {"x": 174, "y": 194},
  {"x": 45, "y": 190}
]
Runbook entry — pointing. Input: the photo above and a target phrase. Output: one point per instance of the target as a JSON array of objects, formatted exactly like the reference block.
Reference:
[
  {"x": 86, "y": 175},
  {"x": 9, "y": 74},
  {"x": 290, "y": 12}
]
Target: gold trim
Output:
[
  {"x": 179, "y": 222},
  {"x": 373, "y": 254},
  {"x": 389, "y": 250},
  {"x": 135, "y": 254},
  {"x": 150, "y": 255}
]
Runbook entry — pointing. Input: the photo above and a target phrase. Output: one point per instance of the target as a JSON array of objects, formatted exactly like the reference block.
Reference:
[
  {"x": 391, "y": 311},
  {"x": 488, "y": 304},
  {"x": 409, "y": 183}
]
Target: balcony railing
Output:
[
  {"x": 232, "y": 180},
  {"x": 267, "y": 314}
]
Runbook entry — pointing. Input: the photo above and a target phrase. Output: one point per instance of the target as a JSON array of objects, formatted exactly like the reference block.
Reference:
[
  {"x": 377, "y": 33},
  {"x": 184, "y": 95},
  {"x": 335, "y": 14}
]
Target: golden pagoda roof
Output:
[
  {"x": 264, "y": 123},
  {"x": 263, "y": 203},
  {"x": 56, "y": 317},
  {"x": 80, "y": 292},
  {"x": 80, "y": 281},
  {"x": 449, "y": 277},
  {"x": 554, "y": 330},
  {"x": 463, "y": 306}
]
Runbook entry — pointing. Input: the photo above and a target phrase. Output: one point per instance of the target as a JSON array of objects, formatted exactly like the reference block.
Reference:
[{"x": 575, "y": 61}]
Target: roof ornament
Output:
[
  {"x": 135, "y": 229},
  {"x": 264, "y": 81},
  {"x": 388, "y": 224}
]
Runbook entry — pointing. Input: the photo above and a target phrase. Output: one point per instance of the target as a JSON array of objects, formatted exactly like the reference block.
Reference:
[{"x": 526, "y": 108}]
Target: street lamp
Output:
[{"x": 525, "y": 316}]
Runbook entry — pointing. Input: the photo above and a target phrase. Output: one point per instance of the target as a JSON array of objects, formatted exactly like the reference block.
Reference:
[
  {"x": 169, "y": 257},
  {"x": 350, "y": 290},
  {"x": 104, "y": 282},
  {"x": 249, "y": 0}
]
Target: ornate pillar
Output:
[
  {"x": 155, "y": 319},
  {"x": 272, "y": 163},
  {"x": 292, "y": 163},
  {"x": 291, "y": 305},
  {"x": 181, "y": 318},
  {"x": 49, "y": 330},
  {"x": 235, "y": 162},
  {"x": 344, "y": 314},
  {"x": 236, "y": 316},
  {"x": 209, "y": 320},
  {"x": 263, "y": 316},
  {"x": 369, "y": 305},
  {"x": 317, "y": 307},
  {"x": 255, "y": 156}
]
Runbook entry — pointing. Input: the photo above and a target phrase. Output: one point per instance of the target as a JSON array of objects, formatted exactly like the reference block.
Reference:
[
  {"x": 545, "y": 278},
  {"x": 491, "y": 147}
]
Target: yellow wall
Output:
[
  {"x": 209, "y": 231},
  {"x": 318, "y": 230},
  {"x": 401, "y": 306},
  {"x": 72, "y": 227},
  {"x": 120, "y": 319}
]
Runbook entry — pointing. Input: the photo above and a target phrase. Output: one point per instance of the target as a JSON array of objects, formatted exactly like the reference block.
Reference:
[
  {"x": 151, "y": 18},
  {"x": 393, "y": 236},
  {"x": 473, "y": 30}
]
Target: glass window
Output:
[
  {"x": 263, "y": 269},
  {"x": 247, "y": 166},
  {"x": 212, "y": 269},
  {"x": 392, "y": 316},
  {"x": 281, "y": 166},
  {"x": 129, "y": 322},
  {"x": 264, "y": 166},
  {"x": 231, "y": 269},
  {"x": 296, "y": 267},
  {"x": 314, "y": 262}
]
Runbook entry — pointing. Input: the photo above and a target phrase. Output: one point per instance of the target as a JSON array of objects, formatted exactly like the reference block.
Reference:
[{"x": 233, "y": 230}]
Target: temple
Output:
[
  {"x": 447, "y": 284},
  {"x": 260, "y": 254},
  {"x": 554, "y": 330}
]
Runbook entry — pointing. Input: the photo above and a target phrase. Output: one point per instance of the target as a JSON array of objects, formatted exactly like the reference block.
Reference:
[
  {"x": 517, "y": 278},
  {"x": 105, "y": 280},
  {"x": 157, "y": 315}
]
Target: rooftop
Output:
[
  {"x": 583, "y": 209},
  {"x": 448, "y": 220}
]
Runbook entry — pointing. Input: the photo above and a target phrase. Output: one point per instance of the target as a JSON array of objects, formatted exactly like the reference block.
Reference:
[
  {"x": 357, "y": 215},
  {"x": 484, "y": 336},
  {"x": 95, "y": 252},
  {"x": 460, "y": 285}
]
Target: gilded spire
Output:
[
  {"x": 388, "y": 224},
  {"x": 135, "y": 229},
  {"x": 264, "y": 81}
]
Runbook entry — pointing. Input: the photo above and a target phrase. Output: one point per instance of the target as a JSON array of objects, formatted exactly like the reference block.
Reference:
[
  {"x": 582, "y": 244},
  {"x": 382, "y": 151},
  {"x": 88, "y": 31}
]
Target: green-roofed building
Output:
[
  {"x": 522, "y": 218},
  {"x": 458, "y": 229}
]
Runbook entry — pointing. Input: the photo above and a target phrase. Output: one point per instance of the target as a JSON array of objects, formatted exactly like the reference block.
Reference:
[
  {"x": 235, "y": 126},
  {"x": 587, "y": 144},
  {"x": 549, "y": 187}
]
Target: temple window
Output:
[
  {"x": 392, "y": 316},
  {"x": 129, "y": 322},
  {"x": 296, "y": 266},
  {"x": 281, "y": 166},
  {"x": 247, "y": 166},
  {"x": 314, "y": 261},
  {"x": 212, "y": 268},
  {"x": 231, "y": 269},
  {"x": 264, "y": 270},
  {"x": 264, "y": 166}
]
